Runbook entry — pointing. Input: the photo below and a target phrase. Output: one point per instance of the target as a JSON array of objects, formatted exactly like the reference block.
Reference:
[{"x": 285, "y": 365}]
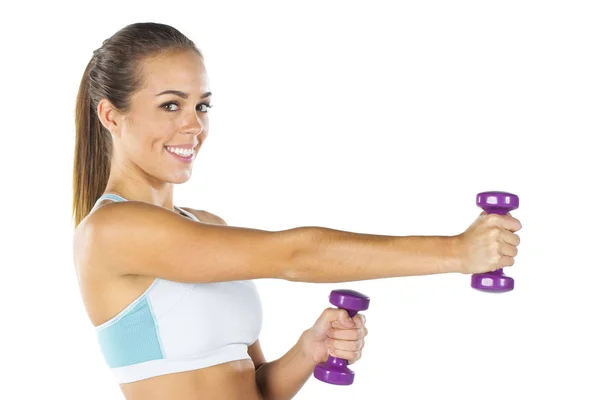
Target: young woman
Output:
[{"x": 169, "y": 289}]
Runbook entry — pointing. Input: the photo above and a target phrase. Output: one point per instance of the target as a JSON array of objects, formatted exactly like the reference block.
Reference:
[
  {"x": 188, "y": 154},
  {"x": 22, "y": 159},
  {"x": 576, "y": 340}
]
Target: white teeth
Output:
[{"x": 181, "y": 152}]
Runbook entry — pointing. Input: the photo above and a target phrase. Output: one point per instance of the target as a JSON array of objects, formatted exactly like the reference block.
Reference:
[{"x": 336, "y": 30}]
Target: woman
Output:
[{"x": 169, "y": 289}]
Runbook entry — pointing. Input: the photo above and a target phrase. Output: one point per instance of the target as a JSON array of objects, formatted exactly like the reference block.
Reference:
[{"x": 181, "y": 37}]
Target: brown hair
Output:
[{"x": 113, "y": 73}]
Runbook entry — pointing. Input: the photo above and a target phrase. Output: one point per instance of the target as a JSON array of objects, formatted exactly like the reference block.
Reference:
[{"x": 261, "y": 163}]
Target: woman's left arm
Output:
[
  {"x": 284, "y": 377},
  {"x": 333, "y": 334}
]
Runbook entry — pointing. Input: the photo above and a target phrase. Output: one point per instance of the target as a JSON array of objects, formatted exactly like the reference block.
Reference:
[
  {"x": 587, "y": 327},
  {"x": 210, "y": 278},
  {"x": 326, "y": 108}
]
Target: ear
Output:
[{"x": 109, "y": 116}]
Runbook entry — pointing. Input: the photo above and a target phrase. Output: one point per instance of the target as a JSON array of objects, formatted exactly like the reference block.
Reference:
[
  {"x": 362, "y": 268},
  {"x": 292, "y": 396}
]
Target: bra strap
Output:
[{"x": 109, "y": 196}]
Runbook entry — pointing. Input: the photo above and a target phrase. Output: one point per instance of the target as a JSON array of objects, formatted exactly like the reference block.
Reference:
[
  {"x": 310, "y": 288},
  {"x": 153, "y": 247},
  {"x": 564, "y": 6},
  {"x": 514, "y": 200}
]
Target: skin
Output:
[{"x": 143, "y": 170}]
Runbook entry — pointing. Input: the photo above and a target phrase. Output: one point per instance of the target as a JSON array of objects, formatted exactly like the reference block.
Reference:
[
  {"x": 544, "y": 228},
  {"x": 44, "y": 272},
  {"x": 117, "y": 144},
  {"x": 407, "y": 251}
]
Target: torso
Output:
[{"x": 105, "y": 296}]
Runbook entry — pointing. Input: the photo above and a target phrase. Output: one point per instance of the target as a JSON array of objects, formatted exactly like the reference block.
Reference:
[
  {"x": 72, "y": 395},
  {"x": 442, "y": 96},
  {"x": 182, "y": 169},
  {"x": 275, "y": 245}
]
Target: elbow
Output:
[{"x": 302, "y": 246}]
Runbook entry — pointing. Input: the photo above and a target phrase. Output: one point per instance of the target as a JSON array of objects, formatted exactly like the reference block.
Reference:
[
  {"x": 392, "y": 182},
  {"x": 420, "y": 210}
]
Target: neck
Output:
[{"x": 140, "y": 188}]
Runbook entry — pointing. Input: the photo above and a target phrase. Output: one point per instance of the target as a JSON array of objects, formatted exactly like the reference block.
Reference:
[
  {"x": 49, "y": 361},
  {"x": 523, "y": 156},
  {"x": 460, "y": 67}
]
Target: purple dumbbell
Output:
[
  {"x": 335, "y": 370},
  {"x": 495, "y": 203}
]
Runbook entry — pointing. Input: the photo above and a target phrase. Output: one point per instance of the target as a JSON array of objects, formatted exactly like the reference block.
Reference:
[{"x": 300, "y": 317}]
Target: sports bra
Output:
[{"x": 178, "y": 326}]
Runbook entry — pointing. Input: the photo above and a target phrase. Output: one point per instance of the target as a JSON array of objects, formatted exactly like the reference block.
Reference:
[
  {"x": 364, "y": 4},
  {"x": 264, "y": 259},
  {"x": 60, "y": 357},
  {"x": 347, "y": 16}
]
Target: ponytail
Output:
[{"x": 91, "y": 164}]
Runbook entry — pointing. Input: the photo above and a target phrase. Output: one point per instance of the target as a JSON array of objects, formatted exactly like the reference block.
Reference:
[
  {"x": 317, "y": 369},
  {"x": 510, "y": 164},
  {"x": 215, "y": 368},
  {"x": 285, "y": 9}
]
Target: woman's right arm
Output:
[{"x": 142, "y": 239}]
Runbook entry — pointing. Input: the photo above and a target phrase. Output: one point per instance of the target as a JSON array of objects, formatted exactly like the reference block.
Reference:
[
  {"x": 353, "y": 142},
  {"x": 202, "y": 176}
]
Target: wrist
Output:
[
  {"x": 304, "y": 344},
  {"x": 454, "y": 255}
]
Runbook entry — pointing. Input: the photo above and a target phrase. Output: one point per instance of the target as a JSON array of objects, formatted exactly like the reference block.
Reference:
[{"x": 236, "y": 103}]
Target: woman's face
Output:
[{"x": 167, "y": 123}]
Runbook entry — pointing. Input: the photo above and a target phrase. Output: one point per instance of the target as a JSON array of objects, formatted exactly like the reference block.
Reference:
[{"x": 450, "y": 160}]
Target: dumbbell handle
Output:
[
  {"x": 496, "y": 210},
  {"x": 341, "y": 362}
]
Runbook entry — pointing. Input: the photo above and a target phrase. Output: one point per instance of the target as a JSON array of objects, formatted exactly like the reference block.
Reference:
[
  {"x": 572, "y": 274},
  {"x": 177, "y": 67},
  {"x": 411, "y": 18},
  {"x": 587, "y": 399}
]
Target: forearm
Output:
[
  {"x": 283, "y": 378},
  {"x": 329, "y": 255}
]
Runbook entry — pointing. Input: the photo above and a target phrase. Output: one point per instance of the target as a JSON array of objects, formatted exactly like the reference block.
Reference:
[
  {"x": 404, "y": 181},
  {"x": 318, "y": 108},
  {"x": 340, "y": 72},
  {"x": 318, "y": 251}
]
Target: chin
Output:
[
  {"x": 181, "y": 179},
  {"x": 177, "y": 178}
]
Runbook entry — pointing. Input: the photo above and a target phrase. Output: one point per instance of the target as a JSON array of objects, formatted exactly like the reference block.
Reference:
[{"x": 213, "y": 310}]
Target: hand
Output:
[
  {"x": 489, "y": 243},
  {"x": 335, "y": 334}
]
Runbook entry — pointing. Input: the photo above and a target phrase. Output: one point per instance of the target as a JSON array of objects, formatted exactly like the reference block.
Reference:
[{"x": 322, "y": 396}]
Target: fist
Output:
[
  {"x": 335, "y": 334},
  {"x": 489, "y": 243}
]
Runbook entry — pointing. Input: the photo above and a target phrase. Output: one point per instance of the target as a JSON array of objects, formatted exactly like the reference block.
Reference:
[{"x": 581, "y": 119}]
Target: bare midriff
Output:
[{"x": 232, "y": 380}]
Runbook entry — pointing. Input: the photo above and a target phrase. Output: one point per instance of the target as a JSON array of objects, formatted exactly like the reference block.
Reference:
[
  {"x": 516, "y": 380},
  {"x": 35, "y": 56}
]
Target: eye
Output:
[
  {"x": 207, "y": 106},
  {"x": 169, "y": 106}
]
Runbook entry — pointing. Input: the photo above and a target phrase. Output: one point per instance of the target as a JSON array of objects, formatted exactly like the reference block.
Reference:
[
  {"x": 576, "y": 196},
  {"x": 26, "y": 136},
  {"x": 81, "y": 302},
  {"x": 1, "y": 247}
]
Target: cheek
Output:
[
  {"x": 154, "y": 135},
  {"x": 205, "y": 129},
  {"x": 147, "y": 133}
]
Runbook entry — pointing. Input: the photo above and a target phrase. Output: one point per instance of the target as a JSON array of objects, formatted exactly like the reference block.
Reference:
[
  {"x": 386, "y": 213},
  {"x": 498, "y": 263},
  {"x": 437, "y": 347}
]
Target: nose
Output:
[{"x": 193, "y": 124}]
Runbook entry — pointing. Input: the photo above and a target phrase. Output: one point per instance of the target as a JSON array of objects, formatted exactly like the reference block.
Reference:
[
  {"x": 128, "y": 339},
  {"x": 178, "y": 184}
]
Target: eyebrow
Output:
[{"x": 182, "y": 94}]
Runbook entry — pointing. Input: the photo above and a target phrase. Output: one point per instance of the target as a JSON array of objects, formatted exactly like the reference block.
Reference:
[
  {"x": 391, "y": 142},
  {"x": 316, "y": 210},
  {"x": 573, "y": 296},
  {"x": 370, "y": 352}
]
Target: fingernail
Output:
[{"x": 349, "y": 322}]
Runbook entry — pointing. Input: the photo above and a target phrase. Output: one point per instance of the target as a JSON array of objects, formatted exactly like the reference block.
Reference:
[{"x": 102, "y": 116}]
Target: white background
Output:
[{"x": 373, "y": 117}]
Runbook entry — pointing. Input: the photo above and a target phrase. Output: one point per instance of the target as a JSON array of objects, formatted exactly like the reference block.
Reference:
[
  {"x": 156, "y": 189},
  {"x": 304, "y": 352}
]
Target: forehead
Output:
[{"x": 179, "y": 70}]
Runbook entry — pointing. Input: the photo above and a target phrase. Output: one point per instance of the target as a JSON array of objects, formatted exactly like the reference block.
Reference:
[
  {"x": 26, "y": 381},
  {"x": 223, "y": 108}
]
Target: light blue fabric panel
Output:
[{"x": 131, "y": 339}]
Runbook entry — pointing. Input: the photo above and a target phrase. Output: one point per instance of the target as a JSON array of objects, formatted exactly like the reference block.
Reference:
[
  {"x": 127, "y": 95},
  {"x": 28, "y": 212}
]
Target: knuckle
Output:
[
  {"x": 493, "y": 218},
  {"x": 497, "y": 261},
  {"x": 493, "y": 233},
  {"x": 496, "y": 245},
  {"x": 497, "y": 232},
  {"x": 329, "y": 311},
  {"x": 496, "y": 252}
]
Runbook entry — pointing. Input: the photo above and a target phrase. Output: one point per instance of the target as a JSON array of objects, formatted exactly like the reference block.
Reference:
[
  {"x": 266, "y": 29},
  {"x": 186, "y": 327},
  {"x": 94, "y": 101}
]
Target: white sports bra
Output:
[{"x": 177, "y": 326}]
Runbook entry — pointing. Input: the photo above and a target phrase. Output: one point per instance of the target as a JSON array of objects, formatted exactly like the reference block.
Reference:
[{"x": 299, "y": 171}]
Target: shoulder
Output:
[
  {"x": 107, "y": 221},
  {"x": 205, "y": 216}
]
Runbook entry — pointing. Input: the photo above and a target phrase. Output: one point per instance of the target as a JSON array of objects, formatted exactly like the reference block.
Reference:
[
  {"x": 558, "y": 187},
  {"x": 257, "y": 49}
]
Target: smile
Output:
[{"x": 181, "y": 154}]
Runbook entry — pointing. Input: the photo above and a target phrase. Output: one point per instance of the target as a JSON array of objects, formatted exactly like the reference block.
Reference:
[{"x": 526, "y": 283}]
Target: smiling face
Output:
[{"x": 167, "y": 122}]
